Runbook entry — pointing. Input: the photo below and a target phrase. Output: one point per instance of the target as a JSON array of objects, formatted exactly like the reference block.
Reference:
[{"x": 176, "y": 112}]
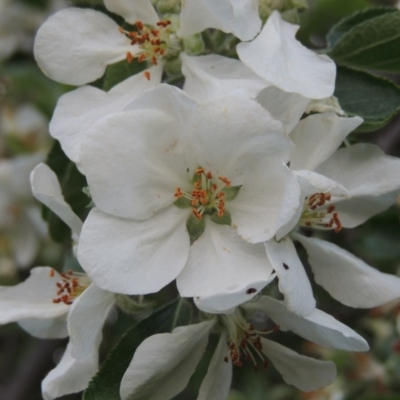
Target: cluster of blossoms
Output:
[{"x": 207, "y": 185}]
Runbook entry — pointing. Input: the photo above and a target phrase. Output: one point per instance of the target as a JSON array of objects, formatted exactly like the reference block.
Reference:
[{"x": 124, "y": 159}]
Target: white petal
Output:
[
  {"x": 267, "y": 200},
  {"x": 70, "y": 375},
  {"x": 222, "y": 263},
  {"x": 363, "y": 169},
  {"x": 277, "y": 56},
  {"x": 231, "y": 133},
  {"x": 212, "y": 76},
  {"x": 369, "y": 175},
  {"x": 163, "y": 364},
  {"x": 246, "y": 21},
  {"x": 47, "y": 189},
  {"x": 134, "y": 257},
  {"x": 134, "y": 172},
  {"x": 293, "y": 281},
  {"x": 317, "y": 137},
  {"x": 76, "y": 111},
  {"x": 133, "y": 11},
  {"x": 86, "y": 319},
  {"x": 285, "y": 107},
  {"x": 317, "y": 327},
  {"x": 227, "y": 302},
  {"x": 197, "y": 15},
  {"x": 216, "y": 383},
  {"x": 346, "y": 277},
  {"x": 32, "y": 298},
  {"x": 75, "y": 45},
  {"x": 54, "y": 328},
  {"x": 306, "y": 373},
  {"x": 312, "y": 182},
  {"x": 359, "y": 209}
]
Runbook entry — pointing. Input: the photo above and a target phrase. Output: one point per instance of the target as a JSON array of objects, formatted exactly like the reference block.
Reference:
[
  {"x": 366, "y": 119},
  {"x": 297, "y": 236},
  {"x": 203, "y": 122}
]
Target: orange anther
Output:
[
  {"x": 199, "y": 171},
  {"x": 51, "y": 273},
  {"x": 197, "y": 214},
  {"x": 147, "y": 75},
  {"x": 209, "y": 175},
  {"x": 141, "y": 58},
  {"x": 154, "y": 60},
  {"x": 225, "y": 180},
  {"x": 330, "y": 208},
  {"x": 178, "y": 193},
  {"x": 139, "y": 25},
  {"x": 129, "y": 57}
]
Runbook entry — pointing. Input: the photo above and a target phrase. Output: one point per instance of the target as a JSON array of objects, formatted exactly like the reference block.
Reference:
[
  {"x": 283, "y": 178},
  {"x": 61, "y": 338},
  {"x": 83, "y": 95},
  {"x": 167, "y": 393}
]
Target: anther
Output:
[
  {"x": 129, "y": 57},
  {"x": 147, "y": 75},
  {"x": 225, "y": 180}
]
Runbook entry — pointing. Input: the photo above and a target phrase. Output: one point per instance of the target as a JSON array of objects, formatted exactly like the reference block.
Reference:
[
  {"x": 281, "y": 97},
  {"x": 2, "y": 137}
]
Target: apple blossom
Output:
[
  {"x": 341, "y": 188},
  {"x": 96, "y": 41},
  {"x": 210, "y": 183},
  {"x": 163, "y": 363}
]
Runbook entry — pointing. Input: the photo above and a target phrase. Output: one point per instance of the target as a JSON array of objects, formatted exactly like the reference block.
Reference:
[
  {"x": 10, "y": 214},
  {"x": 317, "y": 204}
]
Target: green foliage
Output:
[
  {"x": 375, "y": 99},
  {"x": 105, "y": 385},
  {"x": 25, "y": 83},
  {"x": 368, "y": 40},
  {"x": 120, "y": 71},
  {"x": 346, "y": 24},
  {"x": 72, "y": 182}
]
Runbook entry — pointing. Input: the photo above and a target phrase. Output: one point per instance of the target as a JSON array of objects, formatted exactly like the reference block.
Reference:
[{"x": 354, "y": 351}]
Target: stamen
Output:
[
  {"x": 225, "y": 180},
  {"x": 71, "y": 286},
  {"x": 320, "y": 215},
  {"x": 147, "y": 75}
]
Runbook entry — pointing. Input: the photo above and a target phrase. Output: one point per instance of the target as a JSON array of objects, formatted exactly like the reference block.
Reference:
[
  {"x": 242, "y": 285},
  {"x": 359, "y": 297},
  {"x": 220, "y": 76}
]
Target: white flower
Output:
[
  {"x": 94, "y": 40},
  {"x": 341, "y": 188},
  {"x": 171, "y": 166},
  {"x": 77, "y": 110},
  {"x": 277, "y": 57},
  {"x": 20, "y": 220},
  {"x": 163, "y": 363}
]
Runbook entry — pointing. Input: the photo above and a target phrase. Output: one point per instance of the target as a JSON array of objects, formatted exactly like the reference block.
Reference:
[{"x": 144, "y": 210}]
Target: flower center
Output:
[
  {"x": 244, "y": 341},
  {"x": 72, "y": 285},
  {"x": 151, "y": 43},
  {"x": 206, "y": 196},
  {"x": 318, "y": 213}
]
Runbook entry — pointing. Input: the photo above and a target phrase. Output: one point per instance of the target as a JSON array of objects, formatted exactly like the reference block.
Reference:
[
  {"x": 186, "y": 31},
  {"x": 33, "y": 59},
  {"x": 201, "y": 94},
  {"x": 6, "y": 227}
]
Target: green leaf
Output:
[
  {"x": 373, "y": 43},
  {"x": 120, "y": 71},
  {"x": 375, "y": 99},
  {"x": 195, "y": 227},
  {"x": 346, "y": 24},
  {"x": 105, "y": 385}
]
